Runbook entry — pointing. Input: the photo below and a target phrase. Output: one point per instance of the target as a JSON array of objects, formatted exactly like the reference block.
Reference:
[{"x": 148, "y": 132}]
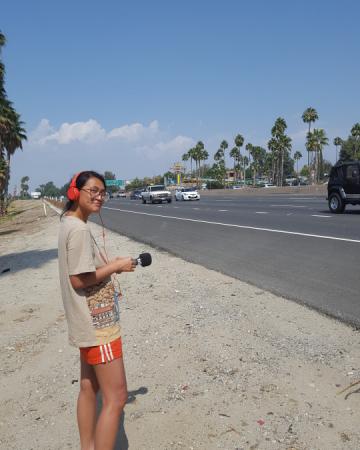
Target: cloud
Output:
[
  {"x": 89, "y": 131},
  {"x": 134, "y": 132},
  {"x": 129, "y": 150},
  {"x": 42, "y": 131}
]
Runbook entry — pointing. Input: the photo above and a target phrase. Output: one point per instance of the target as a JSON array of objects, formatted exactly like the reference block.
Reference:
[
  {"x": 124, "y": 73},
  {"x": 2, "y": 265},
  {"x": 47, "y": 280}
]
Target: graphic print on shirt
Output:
[{"x": 102, "y": 300}]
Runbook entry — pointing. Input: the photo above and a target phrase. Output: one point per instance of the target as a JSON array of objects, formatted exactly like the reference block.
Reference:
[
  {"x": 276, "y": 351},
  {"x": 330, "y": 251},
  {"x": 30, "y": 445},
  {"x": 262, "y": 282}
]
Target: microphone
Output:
[{"x": 144, "y": 259}]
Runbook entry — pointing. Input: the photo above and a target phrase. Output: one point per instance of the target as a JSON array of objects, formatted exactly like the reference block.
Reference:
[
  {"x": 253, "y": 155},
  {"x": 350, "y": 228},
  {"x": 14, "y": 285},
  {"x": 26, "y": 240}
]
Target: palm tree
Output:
[
  {"x": 191, "y": 156},
  {"x": 316, "y": 141},
  {"x": 235, "y": 154},
  {"x": 337, "y": 141},
  {"x": 297, "y": 157},
  {"x": 2, "y": 68},
  {"x": 12, "y": 139},
  {"x": 309, "y": 115},
  {"x": 12, "y": 132},
  {"x": 198, "y": 154},
  {"x": 204, "y": 156},
  {"x": 239, "y": 142},
  {"x": 224, "y": 145},
  {"x": 185, "y": 157},
  {"x": 248, "y": 148},
  {"x": 279, "y": 145}
]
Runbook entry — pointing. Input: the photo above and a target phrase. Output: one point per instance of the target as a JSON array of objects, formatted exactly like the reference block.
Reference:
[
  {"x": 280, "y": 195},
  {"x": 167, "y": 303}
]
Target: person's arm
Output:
[{"x": 118, "y": 265}]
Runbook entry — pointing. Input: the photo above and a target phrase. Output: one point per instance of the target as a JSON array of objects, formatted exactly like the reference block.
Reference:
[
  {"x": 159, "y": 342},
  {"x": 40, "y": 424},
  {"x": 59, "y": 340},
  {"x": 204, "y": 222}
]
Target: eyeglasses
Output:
[{"x": 95, "y": 192}]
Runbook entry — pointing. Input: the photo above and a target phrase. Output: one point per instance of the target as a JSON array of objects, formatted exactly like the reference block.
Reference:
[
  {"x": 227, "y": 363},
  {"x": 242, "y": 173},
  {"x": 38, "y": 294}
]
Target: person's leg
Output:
[
  {"x": 112, "y": 381},
  {"x": 86, "y": 406}
]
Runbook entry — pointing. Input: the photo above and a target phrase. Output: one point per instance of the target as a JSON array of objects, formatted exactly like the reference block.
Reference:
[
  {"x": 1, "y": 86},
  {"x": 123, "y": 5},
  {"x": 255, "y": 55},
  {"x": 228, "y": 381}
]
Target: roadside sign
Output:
[{"x": 117, "y": 183}]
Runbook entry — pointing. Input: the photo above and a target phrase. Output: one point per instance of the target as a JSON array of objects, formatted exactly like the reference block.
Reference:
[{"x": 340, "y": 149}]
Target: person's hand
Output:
[{"x": 125, "y": 264}]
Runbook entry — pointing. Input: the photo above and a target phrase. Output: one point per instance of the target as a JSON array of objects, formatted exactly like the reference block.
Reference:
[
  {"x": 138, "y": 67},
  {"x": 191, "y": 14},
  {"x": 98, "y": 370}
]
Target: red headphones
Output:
[{"x": 73, "y": 192}]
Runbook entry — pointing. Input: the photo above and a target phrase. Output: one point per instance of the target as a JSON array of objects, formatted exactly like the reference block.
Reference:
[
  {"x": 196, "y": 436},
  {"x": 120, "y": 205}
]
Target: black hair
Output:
[{"x": 81, "y": 180}]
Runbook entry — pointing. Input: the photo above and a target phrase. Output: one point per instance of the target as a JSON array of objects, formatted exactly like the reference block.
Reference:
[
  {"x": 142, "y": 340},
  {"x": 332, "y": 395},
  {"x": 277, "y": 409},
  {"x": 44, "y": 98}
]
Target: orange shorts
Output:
[{"x": 102, "y": 354}]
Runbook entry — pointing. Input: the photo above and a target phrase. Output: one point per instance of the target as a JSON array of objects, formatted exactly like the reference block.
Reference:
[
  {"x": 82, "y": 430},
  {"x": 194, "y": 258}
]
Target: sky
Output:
[{"x": 130, "y": 86}]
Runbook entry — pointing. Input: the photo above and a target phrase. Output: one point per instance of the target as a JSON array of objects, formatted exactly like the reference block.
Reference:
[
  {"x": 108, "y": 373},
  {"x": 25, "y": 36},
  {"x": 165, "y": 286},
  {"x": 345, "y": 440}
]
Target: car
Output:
[
  {"x": 135, "y": 195},
  {"x": 121, "y": 195},
  {"x": 268, "y": 185},
  {"x": 186, "y": 194},
  {"x": 157, "y": 193},
  {"x": 344, "y": 186}
]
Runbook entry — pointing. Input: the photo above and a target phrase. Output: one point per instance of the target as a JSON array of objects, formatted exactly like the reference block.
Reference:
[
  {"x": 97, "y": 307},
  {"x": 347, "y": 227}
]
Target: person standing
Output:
[{"x": 90, "y": 298}]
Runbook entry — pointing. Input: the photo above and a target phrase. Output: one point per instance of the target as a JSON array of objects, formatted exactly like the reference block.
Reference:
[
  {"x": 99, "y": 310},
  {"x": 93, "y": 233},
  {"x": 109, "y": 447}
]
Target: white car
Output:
[{"x": 186, "y": 194}]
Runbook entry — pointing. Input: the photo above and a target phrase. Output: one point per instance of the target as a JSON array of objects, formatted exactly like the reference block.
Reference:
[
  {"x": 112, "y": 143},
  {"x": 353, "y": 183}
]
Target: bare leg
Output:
[
  {"x": 86, "y": 406},
  {"x": 112, "y": 381}
]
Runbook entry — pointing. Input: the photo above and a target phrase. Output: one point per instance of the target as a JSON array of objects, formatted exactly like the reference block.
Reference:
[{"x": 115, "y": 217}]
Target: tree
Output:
[
  {"x": 12, "y": 134},
  {"x": 337, "y": 141},
  {"x": 108, "y": 175},
  {"x": 280, "y": 147},
  {"x": 309, "y": 115},
  {"x": 316, "y": 141},
  {"x": 248, "y": 148},
  {"x": 12, "y": 139},
  {"x": 258, "y": 154},
  {"x": 24, "y": 187},
  {"x": 235, "y": 154},
  {"x": 191, "y": 153},
  {"x": 185, "y": 157},
  {"x": 198, "y": 154},
  {"x": 49, "y": 190},
  {"x": 297, "y": 157},
  {"x": 239, "y": 142}
]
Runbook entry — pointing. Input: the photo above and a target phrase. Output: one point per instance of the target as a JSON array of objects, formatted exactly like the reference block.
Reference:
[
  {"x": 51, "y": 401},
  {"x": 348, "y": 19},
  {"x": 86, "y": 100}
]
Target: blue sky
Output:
[{"x": 130, "y": 86}]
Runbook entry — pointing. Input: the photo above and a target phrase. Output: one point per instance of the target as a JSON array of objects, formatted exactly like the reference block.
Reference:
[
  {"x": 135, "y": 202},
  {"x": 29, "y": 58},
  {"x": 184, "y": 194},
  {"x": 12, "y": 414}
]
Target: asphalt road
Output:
[{"x": 288, "y": 244}]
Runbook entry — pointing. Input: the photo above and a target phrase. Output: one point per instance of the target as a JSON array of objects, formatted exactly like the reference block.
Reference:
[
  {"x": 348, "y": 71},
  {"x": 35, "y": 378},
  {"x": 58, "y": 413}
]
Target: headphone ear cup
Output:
[{"x": 73, "y": 193}]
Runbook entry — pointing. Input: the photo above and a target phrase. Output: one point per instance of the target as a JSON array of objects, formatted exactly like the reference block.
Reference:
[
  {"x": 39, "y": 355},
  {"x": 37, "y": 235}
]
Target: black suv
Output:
[{"x": 344, "y": 186}]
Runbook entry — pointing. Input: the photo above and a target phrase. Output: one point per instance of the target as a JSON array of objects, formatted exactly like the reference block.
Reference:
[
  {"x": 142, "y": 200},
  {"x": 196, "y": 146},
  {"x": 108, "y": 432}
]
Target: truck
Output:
[{"x": 156, "y": 194}]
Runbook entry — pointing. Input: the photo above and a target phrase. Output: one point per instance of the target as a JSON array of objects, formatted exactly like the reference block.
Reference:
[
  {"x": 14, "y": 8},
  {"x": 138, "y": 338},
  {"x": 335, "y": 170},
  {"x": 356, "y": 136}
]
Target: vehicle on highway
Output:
[
  {"x": 344, "y": 186},
  {"x": 156, "y": 194},
  {"x": 121, "y": 194},
  {"x": 135, "y": 195},
  {"x": 186, "y": 194},
  {"x": 268, "y": 185}
]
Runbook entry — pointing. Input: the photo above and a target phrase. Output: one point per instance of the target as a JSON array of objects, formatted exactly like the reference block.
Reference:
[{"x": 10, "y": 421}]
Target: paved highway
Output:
[{"x": 288, "y": 244}]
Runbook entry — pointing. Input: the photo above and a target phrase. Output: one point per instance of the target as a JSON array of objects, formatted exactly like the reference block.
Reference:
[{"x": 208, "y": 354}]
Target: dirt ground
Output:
[{"x": 212, "y": 362}]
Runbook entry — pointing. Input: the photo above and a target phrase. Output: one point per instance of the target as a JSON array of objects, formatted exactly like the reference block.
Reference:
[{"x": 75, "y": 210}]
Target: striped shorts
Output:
[{"x": 102, "y": 354}]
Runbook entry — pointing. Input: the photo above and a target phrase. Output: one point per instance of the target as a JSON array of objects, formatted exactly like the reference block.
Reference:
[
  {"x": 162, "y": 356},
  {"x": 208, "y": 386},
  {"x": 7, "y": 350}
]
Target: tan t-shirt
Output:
[{"x": 92, "y": 313}]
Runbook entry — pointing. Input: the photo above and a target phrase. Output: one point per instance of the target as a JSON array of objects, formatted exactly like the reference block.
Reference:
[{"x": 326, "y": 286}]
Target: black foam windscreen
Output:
[{"x": 145, "y": 259}]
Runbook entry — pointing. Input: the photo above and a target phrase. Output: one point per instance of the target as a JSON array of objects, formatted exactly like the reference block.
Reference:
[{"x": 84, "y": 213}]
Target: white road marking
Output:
[
  {"x": 196, "y": 208},
  {"x": 290, "y": 206},
  {"x": 261, "y": 212},
  {"x": 244, "y": 227},
  {"x": 223, "y": 200},
  {"x": 318, "y": 215},
  {"x": 223, "y": 210},
  {"x": 303, "y": 198}
]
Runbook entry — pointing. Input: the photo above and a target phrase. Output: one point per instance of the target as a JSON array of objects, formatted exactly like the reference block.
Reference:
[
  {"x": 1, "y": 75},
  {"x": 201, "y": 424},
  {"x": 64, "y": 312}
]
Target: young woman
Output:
[{"x": 91, "y": 307}]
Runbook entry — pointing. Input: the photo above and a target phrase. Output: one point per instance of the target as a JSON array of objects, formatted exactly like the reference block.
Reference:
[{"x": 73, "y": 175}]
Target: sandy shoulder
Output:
[{"x": 212, "y": 363}]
